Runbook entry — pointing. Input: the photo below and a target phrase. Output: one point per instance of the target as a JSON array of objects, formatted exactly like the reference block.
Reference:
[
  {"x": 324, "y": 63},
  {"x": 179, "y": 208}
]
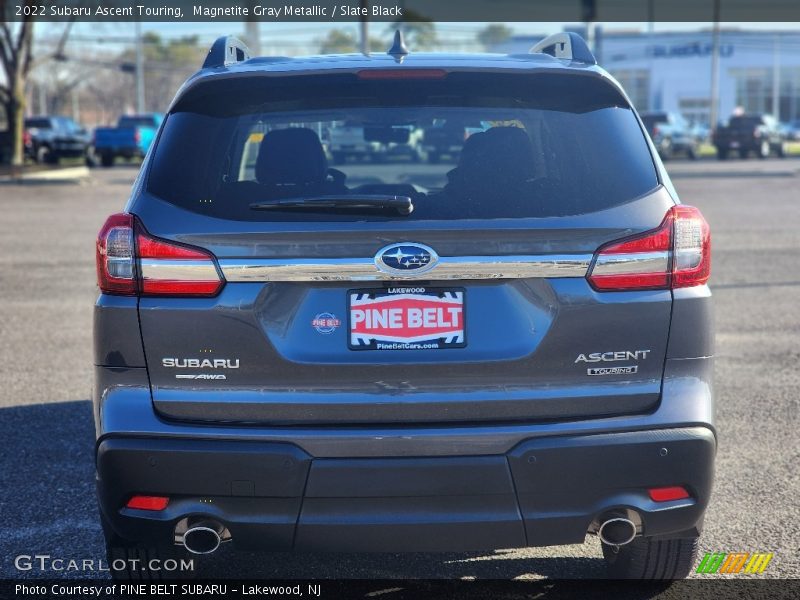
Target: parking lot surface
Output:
[{"x": 47, "y": 288}]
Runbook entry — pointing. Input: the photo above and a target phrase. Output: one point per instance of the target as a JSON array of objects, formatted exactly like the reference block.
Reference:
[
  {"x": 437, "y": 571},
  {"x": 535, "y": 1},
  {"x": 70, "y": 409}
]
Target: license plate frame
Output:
[{"x": 407, "y": 299}]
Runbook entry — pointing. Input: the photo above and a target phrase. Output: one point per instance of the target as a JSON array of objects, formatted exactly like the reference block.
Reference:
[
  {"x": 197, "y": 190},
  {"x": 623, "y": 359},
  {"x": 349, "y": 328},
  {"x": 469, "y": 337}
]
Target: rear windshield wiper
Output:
[{"x": 358, "y": 202}]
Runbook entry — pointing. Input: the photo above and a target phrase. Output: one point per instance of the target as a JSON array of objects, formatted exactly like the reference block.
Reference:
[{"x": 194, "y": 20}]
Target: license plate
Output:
[
  {"x": 734, "y": 144},
  {"x": 406, "y": 318}
]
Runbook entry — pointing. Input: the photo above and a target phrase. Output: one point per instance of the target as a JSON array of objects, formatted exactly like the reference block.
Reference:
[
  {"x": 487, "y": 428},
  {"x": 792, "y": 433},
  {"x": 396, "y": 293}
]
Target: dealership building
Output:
[{"x": 672, "y": 71}]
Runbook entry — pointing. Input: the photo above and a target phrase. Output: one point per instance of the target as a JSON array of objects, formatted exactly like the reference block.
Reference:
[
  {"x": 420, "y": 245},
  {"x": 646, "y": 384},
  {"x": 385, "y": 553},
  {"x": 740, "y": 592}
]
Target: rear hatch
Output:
[{"x": 338, "y": 306}]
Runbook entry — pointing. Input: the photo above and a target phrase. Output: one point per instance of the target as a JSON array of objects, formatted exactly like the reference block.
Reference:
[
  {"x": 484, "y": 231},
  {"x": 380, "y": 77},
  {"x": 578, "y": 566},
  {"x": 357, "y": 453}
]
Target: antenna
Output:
[{"x": 399, "y": 50}]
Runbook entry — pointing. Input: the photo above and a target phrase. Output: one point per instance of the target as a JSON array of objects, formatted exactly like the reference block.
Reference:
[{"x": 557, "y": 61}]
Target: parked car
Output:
[
  {"x": 48, "y": 139},
  {"x": 446, "y": 138},
  {"x": 513, "y": 352},
  {"x": 671, "y": 134},
  {"x": 791, "y": 130},
  {"x": 131, "y": 138},
  {"x": 750, "y": 133},
  {"x": 701, "y": 133},
  {"x": 372, "y": 142},
  {"x": 346, "y": 140}
]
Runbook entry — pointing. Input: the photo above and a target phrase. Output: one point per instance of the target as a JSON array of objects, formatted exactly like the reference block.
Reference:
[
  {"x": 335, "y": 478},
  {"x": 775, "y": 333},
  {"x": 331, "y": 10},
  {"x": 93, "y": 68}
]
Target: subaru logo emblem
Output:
[{"x": 406, "y": 259}]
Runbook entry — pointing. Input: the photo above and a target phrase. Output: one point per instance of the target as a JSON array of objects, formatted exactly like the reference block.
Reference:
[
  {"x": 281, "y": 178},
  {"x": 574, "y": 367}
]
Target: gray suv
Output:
[{"x": 509, "y": 350}]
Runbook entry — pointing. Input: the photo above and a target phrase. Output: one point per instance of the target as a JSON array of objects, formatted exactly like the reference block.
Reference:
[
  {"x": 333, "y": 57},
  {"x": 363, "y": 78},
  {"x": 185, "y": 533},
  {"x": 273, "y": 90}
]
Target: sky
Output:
[{"x": 301, "y": 35}]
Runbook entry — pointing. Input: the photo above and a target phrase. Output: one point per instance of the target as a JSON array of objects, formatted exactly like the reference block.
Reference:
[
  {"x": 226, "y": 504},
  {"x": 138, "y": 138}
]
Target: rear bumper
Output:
[{"x": 275, "y": 496}]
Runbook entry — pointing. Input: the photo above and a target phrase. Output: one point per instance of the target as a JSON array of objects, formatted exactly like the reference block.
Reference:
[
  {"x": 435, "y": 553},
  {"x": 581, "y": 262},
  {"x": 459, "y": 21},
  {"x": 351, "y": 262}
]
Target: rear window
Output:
[
  {"x": 652, "y": 120},
  {"x": 38, "y": 123},
  {"x": 516, "y": 146},
  {"x": 744, "y": 122},
  {"x": 131, "y": 122}
]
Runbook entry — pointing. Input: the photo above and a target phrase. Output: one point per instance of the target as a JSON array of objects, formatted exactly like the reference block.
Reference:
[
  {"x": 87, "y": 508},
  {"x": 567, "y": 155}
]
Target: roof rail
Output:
[
  {"x": 567, "y": 45},
  {"x": 226, "y": 50}
]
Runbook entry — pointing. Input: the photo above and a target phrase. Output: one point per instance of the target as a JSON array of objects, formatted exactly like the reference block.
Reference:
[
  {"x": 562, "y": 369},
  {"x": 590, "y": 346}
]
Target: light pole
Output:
[
  {"x": 139, "y": 69},
  {"x": 364, "y": 27},
  {"x": 714, "y": 108},
  {"x": 776, "y": 76}
]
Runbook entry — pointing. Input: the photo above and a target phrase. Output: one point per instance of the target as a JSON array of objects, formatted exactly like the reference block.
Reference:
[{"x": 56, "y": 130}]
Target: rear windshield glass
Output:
[
  {"x": 744, "y": 122},
  {"x": 38, "y": 123},
  {"x": 130, "y": 122},
  {"x": 462, "y": 147},
  {"x": 652, "y": 120}
]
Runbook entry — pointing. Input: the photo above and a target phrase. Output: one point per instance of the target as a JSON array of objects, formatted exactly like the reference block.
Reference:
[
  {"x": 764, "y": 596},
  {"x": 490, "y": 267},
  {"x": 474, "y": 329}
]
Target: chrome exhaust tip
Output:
[
  {"x": 201, "y": 540},
  {"x": 617, "y": 531}
]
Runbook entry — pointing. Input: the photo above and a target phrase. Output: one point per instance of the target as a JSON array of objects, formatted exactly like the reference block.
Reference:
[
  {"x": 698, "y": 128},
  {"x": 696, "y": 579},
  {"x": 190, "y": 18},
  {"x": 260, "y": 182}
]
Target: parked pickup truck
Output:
[
  {"x": 47, "y": 139},
  {"x": 760, "y": 134},
  {"x": 130, "y": 138}
]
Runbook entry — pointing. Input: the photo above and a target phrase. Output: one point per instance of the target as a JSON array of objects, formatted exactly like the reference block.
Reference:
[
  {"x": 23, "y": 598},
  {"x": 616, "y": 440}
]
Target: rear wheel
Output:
[
  {"x": 645, "y": 558},
  {"x": 665, "y": 149},
  {"x": 107, "y": 159},
  {"x": 44, "y": 155},
  {"x": 743, "y": 152},
  {"x": 722, "y": 154}
]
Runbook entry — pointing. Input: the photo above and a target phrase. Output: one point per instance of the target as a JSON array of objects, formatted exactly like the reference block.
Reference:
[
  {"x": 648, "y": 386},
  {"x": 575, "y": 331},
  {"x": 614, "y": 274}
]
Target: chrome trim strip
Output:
[
  {"x": 364, "y": 269},
  {"x": 632, "y": 263},
  {"x": 178, "y": 270}
]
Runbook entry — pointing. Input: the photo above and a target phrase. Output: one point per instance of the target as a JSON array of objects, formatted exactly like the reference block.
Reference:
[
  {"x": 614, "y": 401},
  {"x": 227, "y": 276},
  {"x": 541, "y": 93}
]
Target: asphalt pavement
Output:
[{"x": 47, "y": 289}]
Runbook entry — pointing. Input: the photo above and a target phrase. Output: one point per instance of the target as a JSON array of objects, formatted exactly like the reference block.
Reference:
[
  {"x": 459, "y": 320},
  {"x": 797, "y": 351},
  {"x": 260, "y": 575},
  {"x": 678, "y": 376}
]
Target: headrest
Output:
[{"x": 291, "y": 156}]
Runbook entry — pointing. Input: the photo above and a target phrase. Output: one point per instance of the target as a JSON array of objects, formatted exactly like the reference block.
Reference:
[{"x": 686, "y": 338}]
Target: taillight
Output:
[
  {"x": 137, "y": 136},
  {"x": 116, "y": 256},
  {"x": 656, "y": 130},
  {"x": 676, "y": 254},
  {"x": 132, "y": 262}
]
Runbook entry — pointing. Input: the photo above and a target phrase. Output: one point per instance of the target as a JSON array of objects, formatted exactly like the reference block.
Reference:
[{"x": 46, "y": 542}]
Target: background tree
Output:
[
  {"x": 345, "y": 42},
  {"x": 16, "y": 42},
  {"x": 493, "y": 34},
  {"x": 419, "y": 32},
  {"x": 167, "y": 64}
]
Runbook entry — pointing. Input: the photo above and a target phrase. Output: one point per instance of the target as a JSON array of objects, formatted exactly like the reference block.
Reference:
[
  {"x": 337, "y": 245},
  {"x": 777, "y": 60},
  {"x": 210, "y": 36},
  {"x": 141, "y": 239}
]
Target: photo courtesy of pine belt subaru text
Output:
[{"x": 404, "y": 302}]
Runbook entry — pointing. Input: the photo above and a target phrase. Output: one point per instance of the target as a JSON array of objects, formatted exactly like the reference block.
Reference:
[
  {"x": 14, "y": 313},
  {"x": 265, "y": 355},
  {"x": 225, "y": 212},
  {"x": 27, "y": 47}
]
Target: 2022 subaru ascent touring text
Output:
[{"x": 505, "y": 349}]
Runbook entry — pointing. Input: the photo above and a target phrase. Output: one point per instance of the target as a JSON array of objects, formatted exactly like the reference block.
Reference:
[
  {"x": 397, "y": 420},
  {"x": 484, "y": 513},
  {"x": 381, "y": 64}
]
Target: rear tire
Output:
[
  {"x": 645, "y": 558},
  {"x": 107, "y": 159},
  {"x": 722, "y": 154},
  {"x": 665, "y": 150},
  {"x": 43, "y": 155}
]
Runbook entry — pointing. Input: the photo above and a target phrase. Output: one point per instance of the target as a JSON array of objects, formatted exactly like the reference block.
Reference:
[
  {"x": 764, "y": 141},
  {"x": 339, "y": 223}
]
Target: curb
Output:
[{"x": 68, "y": 175}]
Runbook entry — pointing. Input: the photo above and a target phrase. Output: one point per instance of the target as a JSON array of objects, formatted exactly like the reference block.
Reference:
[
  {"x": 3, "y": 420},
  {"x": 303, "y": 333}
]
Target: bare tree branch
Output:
[{"x": 6, "y": 44}]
